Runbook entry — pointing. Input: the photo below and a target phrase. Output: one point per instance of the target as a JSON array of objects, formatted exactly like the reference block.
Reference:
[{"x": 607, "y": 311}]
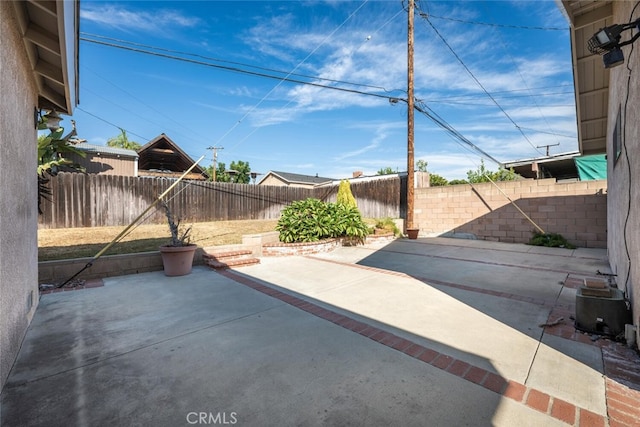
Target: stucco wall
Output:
[
  {"x": 577, "y": 210},
  {"x": 624, "y": 174},
  {"x": 18, "y": 198}
]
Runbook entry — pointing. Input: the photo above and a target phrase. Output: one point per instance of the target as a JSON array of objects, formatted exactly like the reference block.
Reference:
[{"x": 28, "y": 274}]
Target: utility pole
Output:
[
  {"x": 215, "y": 159},
  {"x": 548, "y": 145},
  {"x": 410, "y": 124}
]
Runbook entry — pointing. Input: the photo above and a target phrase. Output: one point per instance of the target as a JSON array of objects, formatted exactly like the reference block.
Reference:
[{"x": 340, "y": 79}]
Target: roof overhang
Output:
[
  {"x": 560, "y": 166},
  {"x": 591, "y": 79},
  {"x": 50, "y": 31}
]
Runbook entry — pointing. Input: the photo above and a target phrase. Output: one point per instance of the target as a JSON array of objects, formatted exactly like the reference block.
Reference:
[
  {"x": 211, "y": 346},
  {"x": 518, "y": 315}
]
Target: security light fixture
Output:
[
  {"x": 53, "y": 120},
  {"x": 613, "y": 58},
  {"x": 606, "y": 42}
]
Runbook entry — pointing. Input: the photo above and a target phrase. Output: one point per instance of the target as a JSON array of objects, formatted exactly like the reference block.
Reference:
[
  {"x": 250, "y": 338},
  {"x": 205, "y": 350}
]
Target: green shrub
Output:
[
  {"x": 311, "y": 220},
  {"x": 436, "y": 180},
  {"x": 552, "y": 240}
]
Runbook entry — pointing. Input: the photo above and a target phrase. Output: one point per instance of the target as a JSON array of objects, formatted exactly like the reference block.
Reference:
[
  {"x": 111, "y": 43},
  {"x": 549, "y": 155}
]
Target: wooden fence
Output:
[{"x": 88, "y": 200}]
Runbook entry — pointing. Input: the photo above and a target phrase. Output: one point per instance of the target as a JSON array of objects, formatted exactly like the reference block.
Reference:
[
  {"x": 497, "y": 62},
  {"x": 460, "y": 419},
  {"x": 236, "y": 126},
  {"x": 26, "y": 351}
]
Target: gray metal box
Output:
[{"x": 602, "y": 315}]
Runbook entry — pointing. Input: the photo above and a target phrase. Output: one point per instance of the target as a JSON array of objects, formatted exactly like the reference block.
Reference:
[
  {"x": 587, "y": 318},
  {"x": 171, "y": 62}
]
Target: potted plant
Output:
[
  {"x": 412, "y": 233},
  {"x": 178, "y": 254}
]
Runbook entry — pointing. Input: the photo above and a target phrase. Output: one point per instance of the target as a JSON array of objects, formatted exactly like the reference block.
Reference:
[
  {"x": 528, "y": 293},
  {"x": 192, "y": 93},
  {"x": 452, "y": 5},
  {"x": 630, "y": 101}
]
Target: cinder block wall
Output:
[{"x": 577, "y": 210}]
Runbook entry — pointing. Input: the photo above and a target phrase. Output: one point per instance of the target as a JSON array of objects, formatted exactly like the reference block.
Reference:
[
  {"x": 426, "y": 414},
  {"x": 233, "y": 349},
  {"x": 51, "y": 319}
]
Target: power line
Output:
[
  {"x": 350, "y": 53},
  {"x": 489, "y": 24},
  {"x": 223, "y": 61},
  {"x": 551, "y": 133},
  {"x": 158, "y": 112},
  {"x": 426, "y": 18},
  {"x": 430, "y": 113},
  {"x": 112, "y": 124},
  {"x": 236, "y": 124},
  {"x": 241, "y": 71},
  {"x": 523, "y": 81},
  {"x": 458, "y": 137}
]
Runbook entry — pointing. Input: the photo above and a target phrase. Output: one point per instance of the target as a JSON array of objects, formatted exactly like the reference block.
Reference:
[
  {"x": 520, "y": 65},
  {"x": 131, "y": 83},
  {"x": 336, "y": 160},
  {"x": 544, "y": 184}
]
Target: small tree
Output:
[
  {"x": 52, "y": 150},
  {"x": 238, "y": 172},
  {"x": 458, "y": 181},
  {"x": 345, "y": 197},
  {"x": 436, "y": 180},
  {"x": 386, "y": 171},
  {"x": 482, "y": 174},
  {"x": 242, "y": 173},
  {"x": 123, "y": 141}
]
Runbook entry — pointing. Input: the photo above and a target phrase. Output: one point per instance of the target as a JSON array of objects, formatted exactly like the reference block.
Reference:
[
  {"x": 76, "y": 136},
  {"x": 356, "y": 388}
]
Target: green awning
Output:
[{"x": 591, "y": 167}]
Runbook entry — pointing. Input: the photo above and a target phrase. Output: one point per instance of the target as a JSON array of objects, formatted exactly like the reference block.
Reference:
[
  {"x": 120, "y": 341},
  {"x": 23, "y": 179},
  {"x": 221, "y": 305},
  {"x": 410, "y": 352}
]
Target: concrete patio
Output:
[{"x": 442, "y": 332}]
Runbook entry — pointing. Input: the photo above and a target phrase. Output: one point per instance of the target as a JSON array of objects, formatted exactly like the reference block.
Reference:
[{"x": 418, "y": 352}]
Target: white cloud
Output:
[{"x": 130, "y": 21}]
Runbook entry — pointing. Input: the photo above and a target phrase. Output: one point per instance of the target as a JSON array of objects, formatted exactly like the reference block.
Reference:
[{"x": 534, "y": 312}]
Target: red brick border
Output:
[{"x": 535, "y": 399}]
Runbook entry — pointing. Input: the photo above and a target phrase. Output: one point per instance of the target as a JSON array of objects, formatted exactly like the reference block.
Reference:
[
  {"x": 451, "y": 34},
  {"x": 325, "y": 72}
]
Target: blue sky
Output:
[{"x": 522, "y": 61}]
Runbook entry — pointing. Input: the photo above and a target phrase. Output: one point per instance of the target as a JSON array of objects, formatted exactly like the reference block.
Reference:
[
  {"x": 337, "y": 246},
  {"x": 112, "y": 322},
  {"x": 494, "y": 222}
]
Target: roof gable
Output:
[{"x": 162, "y": 154}]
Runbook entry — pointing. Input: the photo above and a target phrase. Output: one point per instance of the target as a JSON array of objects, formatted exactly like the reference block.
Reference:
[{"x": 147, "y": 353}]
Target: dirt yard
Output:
[{"x": 69, "y": 243}]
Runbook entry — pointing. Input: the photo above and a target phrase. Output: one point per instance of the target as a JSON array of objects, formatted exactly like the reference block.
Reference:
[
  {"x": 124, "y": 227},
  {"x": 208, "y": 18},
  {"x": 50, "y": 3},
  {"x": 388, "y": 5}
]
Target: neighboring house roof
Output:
[
  {"x": 162, "y": 154},
  {"x": 296, "y": 178},
  {"x": 101, "y": 149},
  {"x": 559, "y": 166},
  {"x": 51, "y": 31},
  {"x": 591, "y": 79}
]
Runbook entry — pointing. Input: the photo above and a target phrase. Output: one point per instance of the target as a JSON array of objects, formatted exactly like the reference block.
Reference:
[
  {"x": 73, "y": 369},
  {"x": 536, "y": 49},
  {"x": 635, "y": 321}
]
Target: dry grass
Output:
[{"x": 70, "y": 243}]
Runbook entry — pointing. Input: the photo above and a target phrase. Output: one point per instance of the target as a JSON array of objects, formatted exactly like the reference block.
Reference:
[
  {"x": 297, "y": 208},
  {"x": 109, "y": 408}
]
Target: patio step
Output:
[{"x": 229, "y": 259}]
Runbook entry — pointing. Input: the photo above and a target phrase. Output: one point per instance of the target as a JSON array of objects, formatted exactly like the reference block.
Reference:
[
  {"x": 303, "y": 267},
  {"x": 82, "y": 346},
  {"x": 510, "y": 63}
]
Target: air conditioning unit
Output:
[{"x": 601, "y": 309}]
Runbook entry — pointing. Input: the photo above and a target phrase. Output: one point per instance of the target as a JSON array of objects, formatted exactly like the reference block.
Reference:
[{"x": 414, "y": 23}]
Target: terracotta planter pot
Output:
[
  {"x": 412, "y": 233},
  {"x": 177, "y": 260}
]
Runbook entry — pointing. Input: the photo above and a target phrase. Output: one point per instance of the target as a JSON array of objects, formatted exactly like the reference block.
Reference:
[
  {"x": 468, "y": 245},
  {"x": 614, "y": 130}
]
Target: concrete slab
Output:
[
  {"x": 425, "y": 311},
  {"x": 270, "y": 364},
  {"x": 571, "y": 371},
  {"x": 131, "y": 312},
  {"x": 446, "y": 316}
]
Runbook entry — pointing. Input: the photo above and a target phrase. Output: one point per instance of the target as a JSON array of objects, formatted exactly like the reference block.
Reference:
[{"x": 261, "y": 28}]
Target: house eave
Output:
[
  {"x": 591, "y": 79},
  {"x": 50, "y": 31}
]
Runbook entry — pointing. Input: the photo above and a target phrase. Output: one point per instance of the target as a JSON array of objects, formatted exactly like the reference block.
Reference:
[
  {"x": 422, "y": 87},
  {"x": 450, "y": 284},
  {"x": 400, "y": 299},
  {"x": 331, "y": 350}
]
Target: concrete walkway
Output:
[{"x": 438, "y": 332}]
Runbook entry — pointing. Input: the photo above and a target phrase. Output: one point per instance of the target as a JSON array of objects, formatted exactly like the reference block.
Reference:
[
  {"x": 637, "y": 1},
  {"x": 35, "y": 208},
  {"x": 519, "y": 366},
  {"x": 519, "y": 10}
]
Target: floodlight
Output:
[
  {"x": 606, "y": 42},
  {"x": 605, "y": 39},
  {"x": 613, "y": 58}
]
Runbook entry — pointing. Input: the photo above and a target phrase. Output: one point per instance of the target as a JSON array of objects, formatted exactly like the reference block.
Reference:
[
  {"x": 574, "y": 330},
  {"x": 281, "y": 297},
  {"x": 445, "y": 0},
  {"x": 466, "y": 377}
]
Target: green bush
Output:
[
  {"x": 552, "y": 240},
  {"x": 311, "y": 220}
]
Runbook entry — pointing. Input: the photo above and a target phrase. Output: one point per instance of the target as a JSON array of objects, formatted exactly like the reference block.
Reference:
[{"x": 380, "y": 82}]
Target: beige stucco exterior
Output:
[
  {"x": 608, "y": 106},
  {"x": 623, "y": 209},
  {"x": 38, "y": 72},
  {"x": 18, "y": 198}
]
